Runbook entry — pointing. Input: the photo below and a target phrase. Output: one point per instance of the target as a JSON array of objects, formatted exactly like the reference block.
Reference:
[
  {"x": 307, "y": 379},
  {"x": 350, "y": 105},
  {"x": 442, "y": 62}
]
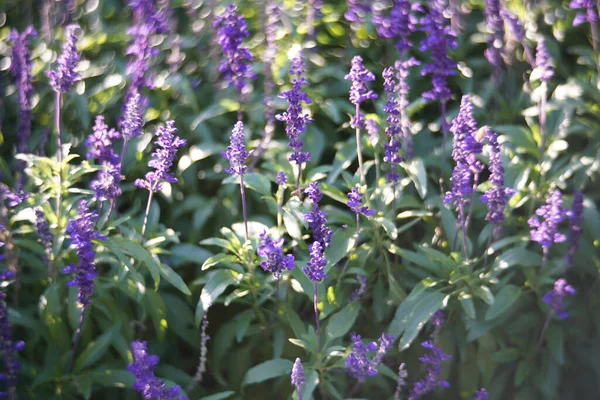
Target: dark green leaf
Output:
[{"x": 267, "y": 370}]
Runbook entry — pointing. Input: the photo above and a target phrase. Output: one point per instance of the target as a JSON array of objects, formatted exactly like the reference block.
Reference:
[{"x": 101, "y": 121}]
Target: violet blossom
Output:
[
  {"x": 315, "y": 270},
  {"x": 362, "y": 289},
  {"x": 298, "y": 379},
  {"x": 556, "y": 298},
  {"x": 399, "y": 24},
  {"x": 63, "y": 78},
  {"x": 317, "y": 219},
  {"x": 402, "y": 72},
  {"x": 586, "y": 12},
  {"x": 394, "y": 126},
  {"x": 433, "y": 360},
  {"x": 355, "y": 203},
  {"x": 495, "y": 25},
  {"x": 543, "y": 61},
  {"x": 481, "y": 394},
  {"x": 575, "y": 215},
  {"x": 359, "y": 364},
  {"x": 236, "y": 152},
  {"x": 545, "y": 224},
  {"x": 99, "y": 143},
  {"x": 359, "y": 92},
  {"x": 276, "y": 262},
  {"x": 497, "y": 196}
]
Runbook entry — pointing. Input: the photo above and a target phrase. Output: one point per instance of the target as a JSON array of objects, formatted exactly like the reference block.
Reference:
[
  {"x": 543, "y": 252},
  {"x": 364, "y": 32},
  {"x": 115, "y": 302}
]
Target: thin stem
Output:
[
  {"x": 280, "y": 207},
  {"x": 299, "y": 176},
  {"x": 358, "y": 148},
  {"x": 377, "y": 169},
  {"x": 542, "y": 117},
  {"x": 299, "y": 393},
  {"x": 277, "y": 297},
  {"x": 357, "y": 229},
  {"x": 444, "y": 139},
  {"x": 58, "y": 101},
  {"x": 244, "y": 213},
  {"x": 150, "y": 195},
  {"x": 315, "y": 301},
  {"x": 77, "y": 338},
  {"x": 543, "y": 332},
  {"x": 475, "y": 182},
  {"x": 544, "y": 257},
  {"x": 464, "y": 232}
]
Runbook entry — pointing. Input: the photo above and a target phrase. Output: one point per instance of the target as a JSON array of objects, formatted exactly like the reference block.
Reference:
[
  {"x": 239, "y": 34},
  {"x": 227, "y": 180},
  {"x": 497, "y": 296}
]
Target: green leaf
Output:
[
  {"x": 96, "y": 349},
  {"x": 190, "y": 253},
  {"x": 420, "y": 314},
  {"x": 216, "y": 285},
  {"x": 340, "y": 323},
  {"x": 267, "y": 370},
  {"x": 517, "y": 256},
  {"x": 398, "y": 324},
  {"x": 502, "y": 301},
  {"x": 556, "y": 344},
  {"x": 333, "y": 192},
  {"x": 219, "y": 396},
  {"x": 243, "y": 322},
  {"x": 113, "y": 377},
  {"x": 388, "y": 226},
  {"x": 218, "y": 258},
  {"x": 342, "y": 242},
  {"x": 523, "y": 371},
  {"x": 258, "y": 183},
  {"x": 418, "y": 174},
  {"x": 139, "y": 252},
  {"x": 467, "y": 305},
  {"x": 485, "y": 294},
  {"x": 506, "y": 355},
  {"x": 218, "y": 242},
  {"x": 174, "y": 279}
]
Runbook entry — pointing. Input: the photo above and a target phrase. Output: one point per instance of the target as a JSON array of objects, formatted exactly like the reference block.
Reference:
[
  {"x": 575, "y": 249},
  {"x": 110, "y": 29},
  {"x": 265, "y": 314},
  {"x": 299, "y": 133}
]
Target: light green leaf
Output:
[
  {"x": 174, "y": 279},
  {"x": 267, "y": 370},
  {"x": 341, "y": 322},
  {"x": 216, "y": 285},
  {"x": 218, "y": 258},
  {"x": 502, "y": 301},
  {"x": 342, "y": 242},
  {"x": 96, "y": 349},
  {"x": 420, "y": 314},
  {"x": 139, "y": 252}
]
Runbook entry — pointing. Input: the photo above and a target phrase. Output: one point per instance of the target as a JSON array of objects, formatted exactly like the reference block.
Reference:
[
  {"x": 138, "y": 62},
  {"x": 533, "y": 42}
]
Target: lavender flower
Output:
[
  {"x": 82, "y": 230},
  {"x": 394, "y": 127},
  {"x": 481, "y": 394},
  {"x": 236, "y": 66},
  {"x": 20, "y": 67},
  {"x": 298, "y": 378},
  {"x": 313, "y": 192},
  {"x": 373, "y": 131},
  {"x": 146, "y": 383},
  {"x": 273, "y": 16},
  {"x": 545, "y": 231},
  {"x": 141, "y": 54},
  {"x": 63, "y": 78},
  {"x": 402, "y": 72},
  {"x": 295, "y": 118},
  {"x": 438, "y": 320},
  {"x": 439, "y": 38},
  {"x": 497, "y": 196},
  {"x": 281, "y": 179},
  {"x": 575, "y": 215},
  {"x": 386, "y": 341},
  {"x": 355, "y": 203},
  {"x": 162, "y": 158},
  {"x": 107, "y": 183},
  {"x": 399, "y": 24},
  {"x": 8, "y": 347},
  {"x": 359, "y": 365},
  {"x": 434, "y": 360},
  {"x": 556, "y": 297},
  {"x": 131, "y": 125},
  {"x": 362, "y": 289},
  {"x": 44, "y": 235},
  {"x": 359, "y": 92},
  {"x": 357, "y": 12},
  {"x": 317, "y": 219},
  {"x": 588, "y": 14},
  {"x": 204, "y": 338},
  {"x": 495, "y": 24},
  {"x": 236, "y": 152},
  {"x": 514, "y": 24},
  {"x": 543, "y": 61},
  {"x": 402, "y": 375},
  {"x": 275, "y": 262},
  {"x": 99, "y": 143},
  {"x": 315, "y": 268}
]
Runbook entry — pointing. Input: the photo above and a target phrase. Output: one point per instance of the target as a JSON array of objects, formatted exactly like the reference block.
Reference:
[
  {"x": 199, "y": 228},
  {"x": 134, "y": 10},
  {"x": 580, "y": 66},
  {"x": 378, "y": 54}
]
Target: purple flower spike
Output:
[
  {"x": 298, "y": 378},
  {"x": 316, "y": 264},
  {"x": 281, "y": 179},
  {"x": 359, "y": 75},
  {"x": 44, "y": 235},
  {"x": 236, "y": 66},
  {"x": 8, "y": 346},
  {"x": 514, "y": 24},
  {"x": 131, "y": 125},
  {"x": 438, "y": 320},
  {"x": 236, "y": 152},
  {"x": 587, "y": 11},
  {"x": 357, "y": 12},
  {"x": 394, "y": 127},
  {"x": 295, "y": 118},
  {"x": 360, "y": 365},
  {"x": 481, "y": 394},
  {"x": 276, "y": 261},
  {"x": 575, "y": 215},
  {"x": 313, "y": 192},
  {"x": 355, "y": 203},
  {"x": 99, "y": 143},
  {"x": 543, "y": 61},
  {"x": 545, "y": 231},
  {"x": 497, "y": 196},
  {"x": 63, "y": 78},
  {"x": 362, "y": 289},
  {"x": 402, "y": 72},
  {"x": 317, "y": 219},
  {"x": 399, "y": 24},
  {"x": 556, "y": 298},
  {"x": 146, "y": 383},
  {"x": 162, "y": 159},
  {"x": 434, "y": 360},
  {"x": 495, "y": 24},
  {"x": 82, "y": 230}
]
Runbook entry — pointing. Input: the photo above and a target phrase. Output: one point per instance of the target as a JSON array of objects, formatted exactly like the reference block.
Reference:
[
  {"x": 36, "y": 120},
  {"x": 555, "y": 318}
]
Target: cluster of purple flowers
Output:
[
  {"x": 162, "y": 159},
  {"x": 8, "y": 347},
  {"x": 236, "y": 66},
  {"x": 315, "y": 270},
  {"x": 543, "y": 61},
  {"x": 545, "y": 231},
  {"x": 357, "y": 12},
  {"x": 495, "y": 24},
  {"x": 281, "y": 179},
  {"x": 236, "y": 152},
  {"x": 362, "y": 289},
  {"x": 298, "y": 379},
  {"x": 317, "y": 219},
  {"x": 434, "y": 360},
  {"x": 99, "y": 143},
  {"x": 355, "y": 203},
  {"x": 556, "y": 297},
  {"x": 481, "y": 394},
  {"x": 295, "y": 118},
  {"x": 399, "y": 24},
  {"x": 575, "y": 215},
  {"x": 359, "y": 92},
  {"x": 394, "y": 126},
  {"x": 360, "y": 365},
  {"x": 63, "y": 78},
  {"x": 82, "y": 230},
  {"x": 587, "y": 11},
  {"x": 146, "y": 382},
  {"x": 276, "y": 262},
  {"x": 497, "y": 196}
]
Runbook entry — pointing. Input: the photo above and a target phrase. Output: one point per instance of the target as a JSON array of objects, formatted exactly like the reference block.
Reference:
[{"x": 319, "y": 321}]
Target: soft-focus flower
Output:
[
  {"x": 357, "y": 12},
  {"x": 132, "y": 122},
  {"x": 394, "y": 127},
  {"x": 556, "y": 297},
  {"x": 386, "y": 341},
  {"x": 298, "y": 378},
  {"x": 359, "y": 76},
  {"x": 433, "y": 360},
  {"x": 146, "y": 383},
  {"x": 360, "y": 365},
  {"x": 236, "y": 66},
  {"x": 162, "y": 159},
  {"x": 107, "y": 185},
  {"x": 587, "y": 11},
  {"x": 495, "y": 24},
  {"x": 497, "y": 196},
  {"x": 575, "y": 215},
  {"x": 317, "y": 219},
  {"x": 99, "y": 143},
  {"x": 276, "y": 262},
  {"x": 514, "y": 24},
  {"x": 438, "y": 320},
  {"x": 399, "y": 24},
  {"x": 362, "y": 289},
  {"x": 355, "y": 203},
  {"x": 204, "y": 338},
  {"x": 373, "y": 131},
  {"x": 281, "y": 179},
  {"x": 295, "y": 118},
  {"x": 63, "y": 78},
  {"x": 82, "y": 230},
  {"x": 481, "y": 394},
  {"x": 402, "y": 375},
  {"x": 543, "y": 61},
  {"x": 8, "y": 347},
  {"x": 545, "y": 231},
  {"x": 43, "y": 230},
  {"x": 236, "y": 152},
  {"x": 439, "y": 39},
  {"x": 315, "y": 270},
  {"x": 402, "y": 72}
]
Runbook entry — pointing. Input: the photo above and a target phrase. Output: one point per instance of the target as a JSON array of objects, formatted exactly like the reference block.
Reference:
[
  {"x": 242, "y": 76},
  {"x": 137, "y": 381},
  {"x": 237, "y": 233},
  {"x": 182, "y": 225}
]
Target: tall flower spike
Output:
[
  {"x": 399, "y": 24},
  {"x": 295, "y": 118},
  {"x": 236, "y": 66},
  {"x": 586, "y": 11},
  {"x": 298, "y": 379},
  {"x": 575, "y": 215},
  {"x": 131, "y": 125},
  {"x": 394, "y": 127},
  {"x": 497, "y": 196},
  {"x": 360, "y": 365},
  {"x": 315, "y": 270},
  {"x": 556, "y": 298},
  {"x": 481, "y": 394},
  {"x": 82, "y": 230},
  {"x": 8, "y": 347},
  {"x": 355, "y": 203},
  {"x": 236, "y": 152},
  {"x": 359, "y": 92},
  {"x": 543, "y": 61},
  {"x": 162, "y": 158},
  {"x": 545, "y": 230},
  {"x": 362, "y": 289},
  {"x": 204, "y": 338},
  {"x": 99, "y": 143},
  {"x": 281, "y": 179},
  {"x": 276, "y": 262},
  {"x": 63, "y": 78},
  {"x": 317, "y": 219},
  {"x": 495, "y": 24},
  {"x": 433, "y": 360},
  {"x": 146, "y": 383},
  {"x": 402, "y": 72}
]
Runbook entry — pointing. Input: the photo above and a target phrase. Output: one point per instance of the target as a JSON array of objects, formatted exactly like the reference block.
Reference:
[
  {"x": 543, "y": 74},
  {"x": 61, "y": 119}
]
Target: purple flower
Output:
[
  {"x": 402, "y": 375},
  {"x": 386, "y": 341},
  {"x": 543, "y": 61},
  {"x": 373, "y": 131},
  {"x": 360, "y": 365},
  {"x": 147, "y": 12},
  {"x": 315, "y": 268},
  {"x": 20, "y": 67},
  {"x": 63, "y": 78},
  {"x": 433, "y": 360},
  {"x": 438, "y": 320},
  {"x": 162, "y": 158},
  {"x": 514, "y": 24},
  {"x": 495, "y": 24},
  {"x": 82, "y": 230},
  {"x": 298, "y": 378},
  {"x": 107, "y": 183},
  {"x": 556, "y": 298},
  {"x": 359, "y": 76},
  {"x": 357, "y": 12},
  {"x": 99, "y": 143},
  {"x": 394, "y": 127},
  {"x": 43, "y": 230},
  {"x": 545, "y": 231},
  {"x": 313, "y": 192},
  {"x": 575, "y": 215},
  {"x": 8, "y": 347},
  {"x": 295, "y": 118},
  {"x": 281, "y": 179},
  {"x": 402, "y": 72},
  {"x": 141, "y": 54},
  {"x": 132, "y": 122},
  {"x": 276, "y": 262},
  {"x": 146, "y": 383},
  {"x": 439, "y": 38},
  {"x": 362, "y": 289},
  {"x": 481, "y": 394},
  {"x": 236, "y": 66},
  {"x": 588, "y": 14},
  {"x": 355, "y": 203},
  {"x": 497, "y": 195},
  {"x": 236, "y": 152},
  {"x": 399, "y": 24},
  {"x": 317, "y": 219}
]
